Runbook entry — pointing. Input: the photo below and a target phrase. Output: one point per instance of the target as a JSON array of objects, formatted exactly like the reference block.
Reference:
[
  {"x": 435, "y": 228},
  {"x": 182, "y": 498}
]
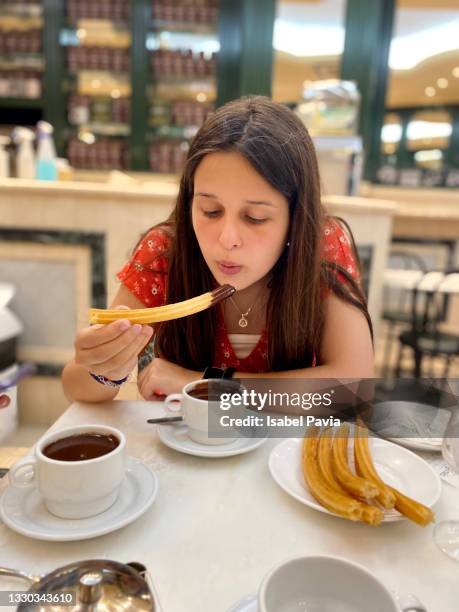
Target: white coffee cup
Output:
[
  {"x": 327, "y": 584},
  {"x": 74, "y": 489},
  {"x": 195, "y": 412}
]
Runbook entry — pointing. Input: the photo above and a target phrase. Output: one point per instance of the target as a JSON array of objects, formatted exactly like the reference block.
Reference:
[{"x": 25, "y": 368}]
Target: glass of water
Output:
[{"x": 446, "y": 533}]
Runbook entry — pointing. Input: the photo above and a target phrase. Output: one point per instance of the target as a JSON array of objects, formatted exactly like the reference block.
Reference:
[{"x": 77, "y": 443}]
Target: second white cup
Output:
[
  {"x": 327, "y": 584},
  {"x": 194, "y": 407}
]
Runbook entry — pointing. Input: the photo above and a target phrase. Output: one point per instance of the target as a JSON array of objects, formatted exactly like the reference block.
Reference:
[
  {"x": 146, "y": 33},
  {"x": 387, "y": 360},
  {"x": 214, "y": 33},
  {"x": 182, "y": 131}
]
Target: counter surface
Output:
[{"x": 158, "y": 187}]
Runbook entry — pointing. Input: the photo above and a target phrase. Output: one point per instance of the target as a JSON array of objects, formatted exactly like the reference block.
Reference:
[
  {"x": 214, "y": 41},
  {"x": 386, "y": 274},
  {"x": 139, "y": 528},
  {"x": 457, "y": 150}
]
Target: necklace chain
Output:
[{"x": 243, "y": 321}]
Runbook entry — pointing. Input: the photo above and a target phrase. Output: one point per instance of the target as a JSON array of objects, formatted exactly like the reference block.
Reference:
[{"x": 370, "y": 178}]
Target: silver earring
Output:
[{"x": 288, "y": 244}]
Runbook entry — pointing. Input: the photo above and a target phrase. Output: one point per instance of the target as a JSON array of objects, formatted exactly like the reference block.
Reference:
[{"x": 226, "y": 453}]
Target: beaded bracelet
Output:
[{"x": 106, "y": 381}]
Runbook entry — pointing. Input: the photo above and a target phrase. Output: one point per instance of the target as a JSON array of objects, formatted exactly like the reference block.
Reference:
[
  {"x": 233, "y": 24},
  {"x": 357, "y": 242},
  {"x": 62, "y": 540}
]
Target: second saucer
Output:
[{"x": 175, "y": 436}]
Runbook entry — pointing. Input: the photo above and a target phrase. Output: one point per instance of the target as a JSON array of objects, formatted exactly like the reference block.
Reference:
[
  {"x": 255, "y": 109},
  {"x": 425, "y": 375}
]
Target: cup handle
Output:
[
  {"x": 23, "y": 475},
  {"x": 174, "y": 397},
  {"x": 409, "y": 603}
]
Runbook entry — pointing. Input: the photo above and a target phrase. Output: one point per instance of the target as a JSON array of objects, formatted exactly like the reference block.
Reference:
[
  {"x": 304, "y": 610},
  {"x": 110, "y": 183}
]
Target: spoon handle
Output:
[
  {"x": 12, "y": 573},
  {"x": 166, "y": 420},
  {"x": 26, "y": 369}
]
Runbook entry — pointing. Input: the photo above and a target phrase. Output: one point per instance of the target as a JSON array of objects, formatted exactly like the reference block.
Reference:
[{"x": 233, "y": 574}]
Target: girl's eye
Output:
[
  {"x": 211, "y": 213},
  {"x": 254, "y": 220}
]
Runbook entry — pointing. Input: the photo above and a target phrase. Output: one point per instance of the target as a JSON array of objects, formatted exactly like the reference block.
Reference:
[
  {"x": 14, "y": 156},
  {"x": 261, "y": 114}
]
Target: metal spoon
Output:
[{"x": 166, "y": 420}]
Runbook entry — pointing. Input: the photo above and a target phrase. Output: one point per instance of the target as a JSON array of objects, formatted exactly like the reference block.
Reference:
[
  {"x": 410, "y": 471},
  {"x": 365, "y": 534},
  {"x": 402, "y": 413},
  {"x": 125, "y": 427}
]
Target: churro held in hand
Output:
[{"x": 163, "y": 313}]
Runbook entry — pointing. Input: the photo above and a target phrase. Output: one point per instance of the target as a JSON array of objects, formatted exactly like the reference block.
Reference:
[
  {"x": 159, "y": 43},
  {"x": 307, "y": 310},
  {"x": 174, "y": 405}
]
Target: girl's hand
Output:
[
  {"x": 161, "y": 377},
  {"x": 111, "y": 350}
]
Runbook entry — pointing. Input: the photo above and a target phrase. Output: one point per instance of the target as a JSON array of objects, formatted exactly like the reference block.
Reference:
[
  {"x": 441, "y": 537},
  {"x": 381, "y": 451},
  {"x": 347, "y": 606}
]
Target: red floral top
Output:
[{"x": 145, "y": 275}]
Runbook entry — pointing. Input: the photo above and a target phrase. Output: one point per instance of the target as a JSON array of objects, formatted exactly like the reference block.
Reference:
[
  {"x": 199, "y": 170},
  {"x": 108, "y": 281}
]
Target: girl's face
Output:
[{"x": 239, "y": 219}]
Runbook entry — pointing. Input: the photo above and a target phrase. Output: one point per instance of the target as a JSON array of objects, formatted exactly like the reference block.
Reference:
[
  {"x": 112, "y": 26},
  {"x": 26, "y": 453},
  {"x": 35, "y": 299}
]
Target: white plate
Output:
[
  {"x": 397, "y": 466},
  {"x": 23, "y": 510},
  {"x": 176, "y": 437}
]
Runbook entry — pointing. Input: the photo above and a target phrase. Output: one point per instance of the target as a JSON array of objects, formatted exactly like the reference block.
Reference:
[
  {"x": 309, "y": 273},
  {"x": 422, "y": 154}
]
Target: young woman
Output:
[{"x": 249, "y": 214}]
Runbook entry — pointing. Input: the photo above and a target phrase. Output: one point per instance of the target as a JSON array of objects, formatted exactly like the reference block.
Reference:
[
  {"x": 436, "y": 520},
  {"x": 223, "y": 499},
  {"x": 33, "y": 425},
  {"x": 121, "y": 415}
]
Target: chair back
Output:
[
  {"x": 404, "y": 271},
  {"x": 431, "y": 298}
]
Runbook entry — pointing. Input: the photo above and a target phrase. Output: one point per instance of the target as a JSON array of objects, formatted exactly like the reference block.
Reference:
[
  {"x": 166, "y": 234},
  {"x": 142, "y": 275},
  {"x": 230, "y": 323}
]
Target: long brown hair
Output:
[{"x": 276, "y": 143}]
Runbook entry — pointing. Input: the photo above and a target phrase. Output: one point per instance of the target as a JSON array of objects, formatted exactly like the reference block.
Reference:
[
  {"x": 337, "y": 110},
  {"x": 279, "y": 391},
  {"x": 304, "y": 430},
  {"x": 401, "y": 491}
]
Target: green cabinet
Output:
[{"x": 127, "y": 83}]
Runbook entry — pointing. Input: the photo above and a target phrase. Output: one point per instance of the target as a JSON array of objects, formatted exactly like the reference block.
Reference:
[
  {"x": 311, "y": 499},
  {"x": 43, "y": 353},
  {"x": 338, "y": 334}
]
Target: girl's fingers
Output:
[
  {"x": 142, "y": 375},
  {"x": 131, "y": 353},
  {"x": 114, "y": 349},
  {"x": 147, "y": 387},
  {"x": 124, "y": 371},
  {"x": 92, "y": 337},
  {"x": 142, "y": 386},
  {"x": 118, "y": 361}
]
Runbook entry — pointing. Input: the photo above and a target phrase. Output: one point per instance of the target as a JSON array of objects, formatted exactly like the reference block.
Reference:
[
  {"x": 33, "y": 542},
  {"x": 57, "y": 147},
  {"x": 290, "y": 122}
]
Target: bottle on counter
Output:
[
  {"x": 4, "y": 157},
  {"x": 25, "y": 156},
  {"x": 46, "y": 153}
]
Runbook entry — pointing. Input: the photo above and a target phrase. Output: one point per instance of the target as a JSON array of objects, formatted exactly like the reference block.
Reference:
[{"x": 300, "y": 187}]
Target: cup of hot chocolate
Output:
[
  {"x": 197, "y": 401},
  {"x": 77, "y": 470}
]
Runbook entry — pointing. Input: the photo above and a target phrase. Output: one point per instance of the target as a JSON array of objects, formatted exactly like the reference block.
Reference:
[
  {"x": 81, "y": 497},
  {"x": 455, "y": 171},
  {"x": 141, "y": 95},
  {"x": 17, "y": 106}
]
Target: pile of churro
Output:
[{"x": 359, "y": 496}]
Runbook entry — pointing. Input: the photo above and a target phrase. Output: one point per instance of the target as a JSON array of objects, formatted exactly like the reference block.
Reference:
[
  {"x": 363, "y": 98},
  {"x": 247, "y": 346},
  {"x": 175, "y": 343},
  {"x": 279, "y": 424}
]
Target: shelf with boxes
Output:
[
  {"x": 183, "y": 45},
  {"x": 96, "y": 41},
  {"x": 202, "y": 12},
  {"x": 114, "y": 10},
  {"x": 180, "y": 48},
  {"x": 21, "y": 51},
  {"x": 125, "y": 83}
]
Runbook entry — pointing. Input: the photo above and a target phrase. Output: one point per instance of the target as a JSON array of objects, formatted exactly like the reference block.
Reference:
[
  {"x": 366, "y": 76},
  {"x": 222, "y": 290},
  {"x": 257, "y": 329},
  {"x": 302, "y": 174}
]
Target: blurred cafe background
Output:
[{"x": 99, "y": 102}]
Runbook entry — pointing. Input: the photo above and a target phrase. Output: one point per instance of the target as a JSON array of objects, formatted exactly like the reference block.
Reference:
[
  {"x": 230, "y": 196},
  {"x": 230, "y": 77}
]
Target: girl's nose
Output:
[{"x": 229, "y": 237}]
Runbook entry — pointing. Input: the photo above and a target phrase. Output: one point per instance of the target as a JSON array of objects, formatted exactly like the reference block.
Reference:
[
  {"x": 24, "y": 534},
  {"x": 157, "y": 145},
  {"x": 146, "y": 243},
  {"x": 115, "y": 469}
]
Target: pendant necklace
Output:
[{"x": 243, "y": 321}]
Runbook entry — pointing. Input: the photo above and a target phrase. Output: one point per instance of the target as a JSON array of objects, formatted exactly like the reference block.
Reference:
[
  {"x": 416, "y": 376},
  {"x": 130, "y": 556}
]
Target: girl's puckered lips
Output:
[{"x": 229, "y": 267}]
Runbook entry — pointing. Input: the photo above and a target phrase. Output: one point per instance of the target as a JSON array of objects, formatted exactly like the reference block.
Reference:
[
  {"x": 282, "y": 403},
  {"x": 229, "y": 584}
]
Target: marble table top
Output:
[{"x": 218, "y": 526}]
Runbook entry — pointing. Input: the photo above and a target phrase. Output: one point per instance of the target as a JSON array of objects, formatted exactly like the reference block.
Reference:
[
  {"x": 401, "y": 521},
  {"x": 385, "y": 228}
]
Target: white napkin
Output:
[{"x": 413, "y": 420}]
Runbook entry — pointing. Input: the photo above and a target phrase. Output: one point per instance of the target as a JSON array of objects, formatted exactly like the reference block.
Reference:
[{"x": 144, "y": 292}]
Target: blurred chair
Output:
[
  {"x": 425, "y": 338},
  {"x": 405, "y": 271}
]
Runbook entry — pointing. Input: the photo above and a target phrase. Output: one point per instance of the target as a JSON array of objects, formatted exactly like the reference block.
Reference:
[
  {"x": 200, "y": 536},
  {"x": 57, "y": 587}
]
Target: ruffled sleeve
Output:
[
  {"x": 145, "y": 274},
  {"x": 337, "y": 249}
]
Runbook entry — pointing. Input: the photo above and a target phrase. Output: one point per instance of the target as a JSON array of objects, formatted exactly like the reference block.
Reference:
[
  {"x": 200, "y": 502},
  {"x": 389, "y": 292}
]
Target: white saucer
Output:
[
  {"x": 248, "y": 604},
  {"x": 397, "y": 466},
  {"x": 23, "y": 510},
  {"x": 175, "y": 436}
]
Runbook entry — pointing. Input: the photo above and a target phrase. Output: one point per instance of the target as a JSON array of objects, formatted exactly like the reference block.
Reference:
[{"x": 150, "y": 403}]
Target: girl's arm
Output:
[
  {"x": 347, "y": 350},
  {"x": 78, "y": 384}
]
